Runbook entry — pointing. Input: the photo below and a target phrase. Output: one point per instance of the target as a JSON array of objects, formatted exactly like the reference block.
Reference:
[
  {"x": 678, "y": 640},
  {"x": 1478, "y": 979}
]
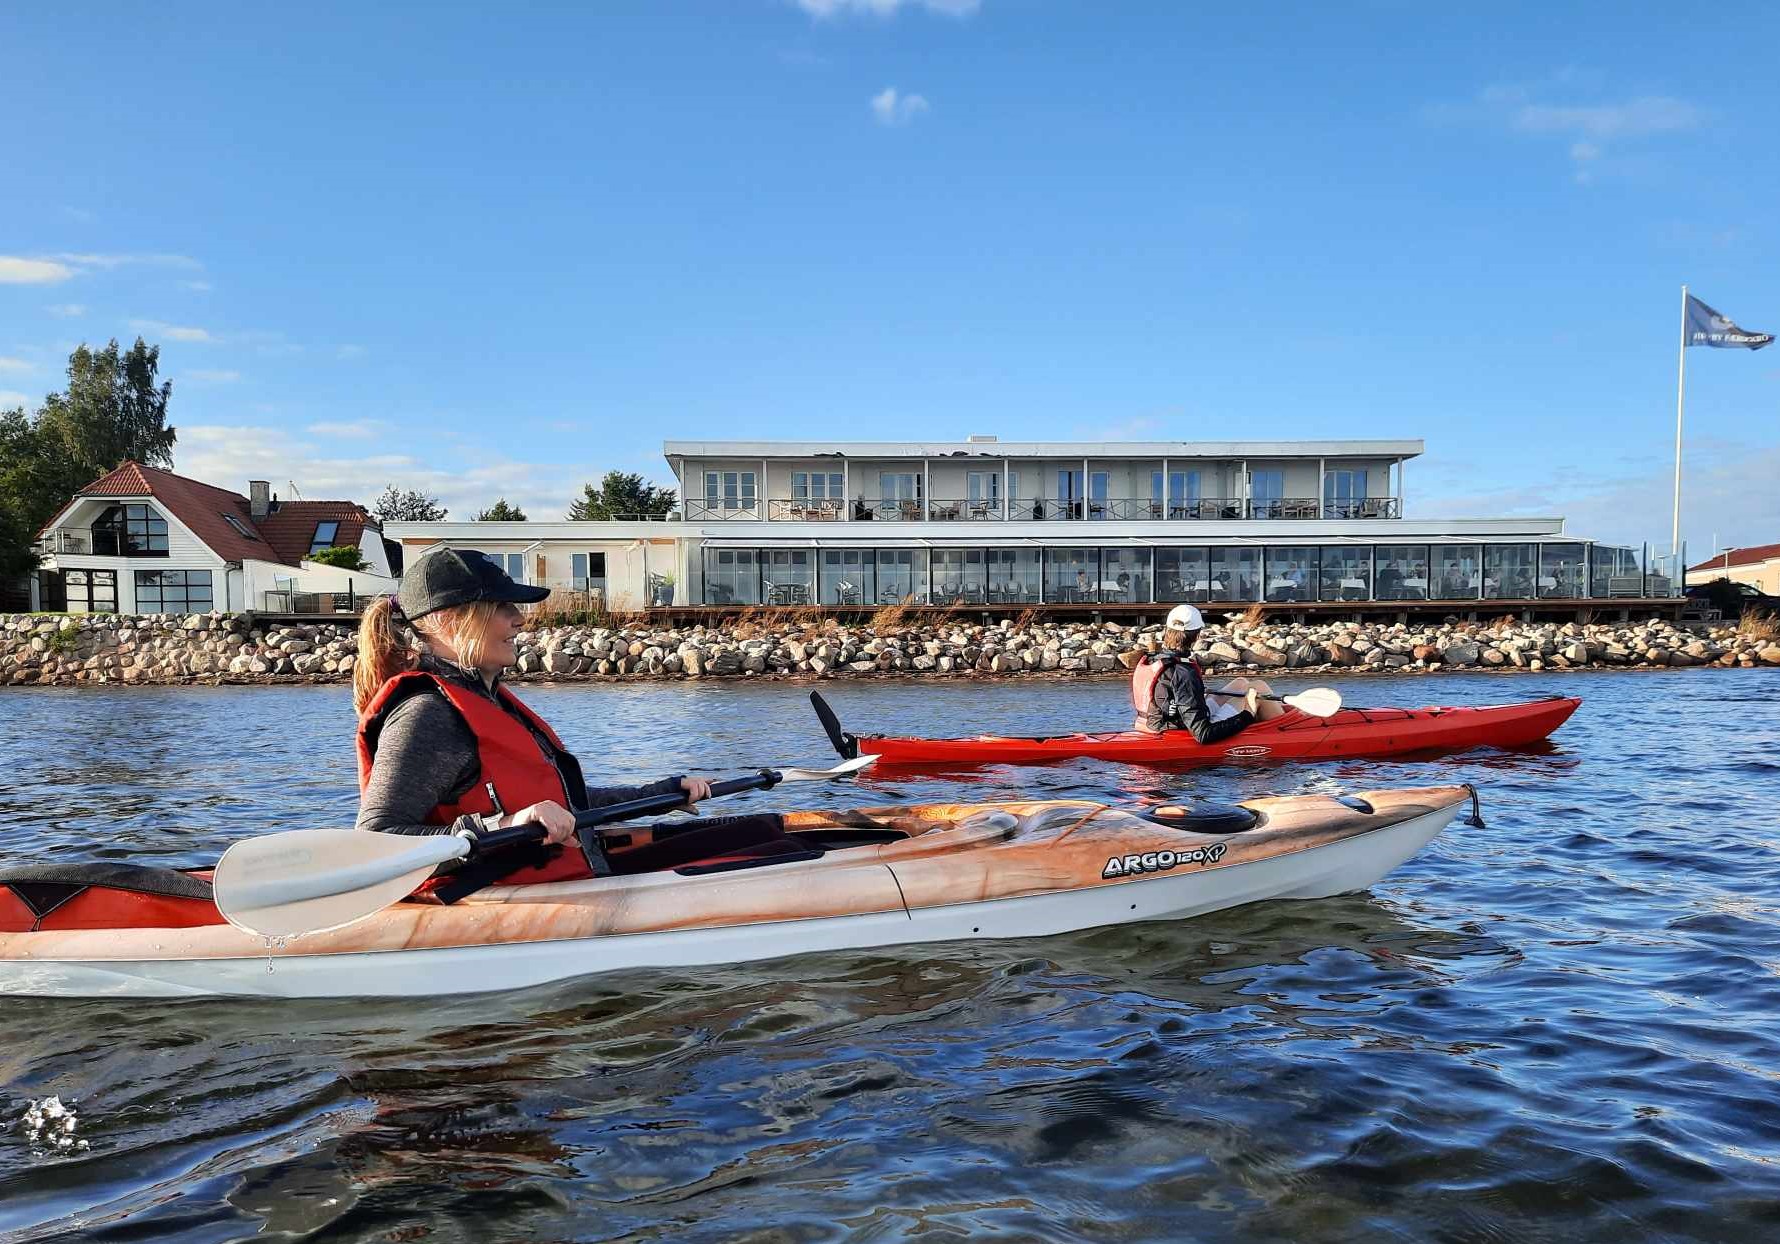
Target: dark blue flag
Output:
[{"x": 1705, "y": 327}]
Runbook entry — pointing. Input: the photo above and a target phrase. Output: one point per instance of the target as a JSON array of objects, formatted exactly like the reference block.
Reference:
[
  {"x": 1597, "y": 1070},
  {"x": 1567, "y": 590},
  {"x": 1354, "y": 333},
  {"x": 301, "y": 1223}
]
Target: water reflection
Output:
[{"x": 1558, "y": 1027}]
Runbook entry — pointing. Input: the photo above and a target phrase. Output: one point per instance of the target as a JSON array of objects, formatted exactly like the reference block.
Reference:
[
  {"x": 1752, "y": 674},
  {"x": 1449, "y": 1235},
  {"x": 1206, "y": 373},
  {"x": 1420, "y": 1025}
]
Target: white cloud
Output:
[
  {"x": 357, "y": 430},
  {"x": 202, "y": 287},
  {"x": 228, "y": 456},
  {"x": 1527, "y": 108},
  {"x": 893, "y": 109},
  {"x": 349, "y": 352},
  {"x": 67, "y": 310},
  {"x": 17, "y": 270},
  {"x": 89, "y": 259},
  {"x": 210, "y": 375},
  {"x": 81, "y": 214},
  {"x": 173, "y": 332},
  {"x": 9, "y": 398},
  {"x": 16, "y": 365},
  {"x": 1725, "y": 488},
  {"x": 886, "y": 8}
]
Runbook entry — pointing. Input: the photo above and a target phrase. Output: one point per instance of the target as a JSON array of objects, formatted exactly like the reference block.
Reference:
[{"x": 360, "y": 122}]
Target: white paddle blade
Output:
[
  {"x": 1318, "y": 701},
  {"x": 312, "y": 880},
  {"x": 845, "y": 768}
]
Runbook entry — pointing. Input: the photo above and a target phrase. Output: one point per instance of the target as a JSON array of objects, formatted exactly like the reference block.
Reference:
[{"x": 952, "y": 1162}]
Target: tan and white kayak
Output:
[{"x": 802, "y": 882}]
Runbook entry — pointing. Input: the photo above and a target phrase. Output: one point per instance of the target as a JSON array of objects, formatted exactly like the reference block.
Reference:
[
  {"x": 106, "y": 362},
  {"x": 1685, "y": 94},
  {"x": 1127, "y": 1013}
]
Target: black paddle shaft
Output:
[{"x": 486, "y": 867}]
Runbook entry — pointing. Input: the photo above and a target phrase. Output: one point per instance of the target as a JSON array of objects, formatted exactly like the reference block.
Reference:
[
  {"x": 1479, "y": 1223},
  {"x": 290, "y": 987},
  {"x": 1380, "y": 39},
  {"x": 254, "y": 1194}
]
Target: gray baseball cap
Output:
[{"x": 444, "y": 577}]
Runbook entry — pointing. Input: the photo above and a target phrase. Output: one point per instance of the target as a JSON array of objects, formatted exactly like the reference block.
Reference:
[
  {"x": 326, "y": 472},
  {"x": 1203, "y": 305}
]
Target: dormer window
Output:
[
  {"x": 130, "y": 531},
  {"x": 324, "y": 537}
]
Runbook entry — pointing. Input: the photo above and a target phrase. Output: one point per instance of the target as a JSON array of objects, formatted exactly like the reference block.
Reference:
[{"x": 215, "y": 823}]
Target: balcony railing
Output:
[
  {"x": 749, "y": 510},
  {"x": 807, "y": 509},
  {"x": 1037, "y": 509},
  {"x": 78, "y": 542},
  {"x": 1310, "y": 507}
]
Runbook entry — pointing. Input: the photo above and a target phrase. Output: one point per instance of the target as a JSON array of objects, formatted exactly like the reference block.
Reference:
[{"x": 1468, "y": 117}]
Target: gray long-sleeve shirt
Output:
[{"x": 426, "y": 756}]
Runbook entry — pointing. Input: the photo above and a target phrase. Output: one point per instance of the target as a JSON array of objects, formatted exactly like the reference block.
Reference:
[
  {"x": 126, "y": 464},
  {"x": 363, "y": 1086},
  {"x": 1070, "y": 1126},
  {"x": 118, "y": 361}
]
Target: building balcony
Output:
[
  {"x": 1034, "y": 510},
  {"x": 79, "y": 543}
]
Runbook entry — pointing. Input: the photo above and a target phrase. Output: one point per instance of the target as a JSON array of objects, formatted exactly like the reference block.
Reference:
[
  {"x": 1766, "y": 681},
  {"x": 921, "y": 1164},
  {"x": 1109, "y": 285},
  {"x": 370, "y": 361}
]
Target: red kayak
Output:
[{"x": 1291, "y": 736}]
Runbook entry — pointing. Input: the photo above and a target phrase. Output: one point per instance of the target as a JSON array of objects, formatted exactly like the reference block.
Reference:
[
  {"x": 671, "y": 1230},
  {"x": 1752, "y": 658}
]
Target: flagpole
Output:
[{"x": 1680, "y": 391}]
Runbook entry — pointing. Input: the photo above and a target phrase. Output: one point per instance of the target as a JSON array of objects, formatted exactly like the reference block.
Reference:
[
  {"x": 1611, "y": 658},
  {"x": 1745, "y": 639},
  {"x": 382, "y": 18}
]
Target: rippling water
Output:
[{"x": 1563, "y": 1027}]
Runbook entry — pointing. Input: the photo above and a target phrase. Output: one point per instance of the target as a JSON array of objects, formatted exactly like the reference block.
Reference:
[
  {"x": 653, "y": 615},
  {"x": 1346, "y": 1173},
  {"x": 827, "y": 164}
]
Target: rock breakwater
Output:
[{"x": 61, "y": 650}]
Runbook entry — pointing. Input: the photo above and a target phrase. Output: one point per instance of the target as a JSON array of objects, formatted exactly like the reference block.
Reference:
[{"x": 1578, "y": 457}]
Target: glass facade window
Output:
[
  {"x": 1509, "y": 570},
  {"x": 130, "y": 531},
  {"x": 847, "y": 577},
  {"x": 902, "y": 576},
  {"x": 1614, "y": 571},
  {"x": 1561, "y": 571},
  {"x": 983, "y": 488},
  {"x": 1347, "y": 572},
  {"x": 960, "y": 577},
  {"x": 730, "y": 490},
  {"x": 816, "y": 486},
  {"x": 1015, "y": 576},
  {"x": 1235, "y": 574},
  {"x": 732, "y": 577},
  {"x": 1099, "y": 493},
  {"x": 1456, "y": 571},
  {"x": 587, "y": 571},
  {"x": 173, "y": 591},
  {"x": 788, "y": 576},
  {"x": 1343, "y": 491},
  {"x": 1072, "y": 576},
  {"x": 1402, "y": 573},
  {"x": 323, "y": 538},
  {"x": 91, "y": 591},
  {"x": 1183, "y": 574},
  {"x": 1291, "y": 572},
  {"x": 1125, "y": 576}
]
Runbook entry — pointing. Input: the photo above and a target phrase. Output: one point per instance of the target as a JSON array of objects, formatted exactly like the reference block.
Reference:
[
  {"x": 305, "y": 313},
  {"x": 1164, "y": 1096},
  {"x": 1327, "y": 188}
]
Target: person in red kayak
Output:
[
  {"x": 1168, "y": 687},
  {"x": 443, "y": 746}
]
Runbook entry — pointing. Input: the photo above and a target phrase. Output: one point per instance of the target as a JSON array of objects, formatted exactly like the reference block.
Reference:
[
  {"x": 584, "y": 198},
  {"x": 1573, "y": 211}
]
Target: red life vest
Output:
[
  {"x": 1143, "y": 689},
  {"x": 511, "y": 761}
]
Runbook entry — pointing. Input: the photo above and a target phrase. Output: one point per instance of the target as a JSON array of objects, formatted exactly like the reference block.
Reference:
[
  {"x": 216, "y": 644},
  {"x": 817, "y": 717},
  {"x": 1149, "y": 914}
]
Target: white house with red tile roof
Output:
[
  {"x": 1758, "y": 565},
  {"x": 143, "y": 540}
]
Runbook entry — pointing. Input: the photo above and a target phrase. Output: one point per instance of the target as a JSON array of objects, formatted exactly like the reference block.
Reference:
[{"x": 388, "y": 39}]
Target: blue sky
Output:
[{"x": 492, "y": 250}]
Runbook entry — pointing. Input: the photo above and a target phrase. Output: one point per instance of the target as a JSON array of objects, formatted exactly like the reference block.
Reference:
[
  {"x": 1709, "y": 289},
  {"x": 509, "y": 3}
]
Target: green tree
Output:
[
  {"x": 345, "y": 556},
  {"x": 113, "y": 411},
  {"x": 621, "y": 495},
  {"x": 407, "y": 505},
  {"x": 501, "y": 512}
]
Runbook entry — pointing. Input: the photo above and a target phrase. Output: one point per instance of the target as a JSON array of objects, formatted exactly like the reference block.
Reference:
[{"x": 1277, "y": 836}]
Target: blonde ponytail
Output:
[{"x": 383, "y": 652}]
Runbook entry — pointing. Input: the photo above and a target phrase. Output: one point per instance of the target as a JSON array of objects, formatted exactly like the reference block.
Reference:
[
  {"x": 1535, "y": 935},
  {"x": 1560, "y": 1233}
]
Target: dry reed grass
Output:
[
  {"x": 1253, "y": 616},
  {"x": 1759, "y": 625}
]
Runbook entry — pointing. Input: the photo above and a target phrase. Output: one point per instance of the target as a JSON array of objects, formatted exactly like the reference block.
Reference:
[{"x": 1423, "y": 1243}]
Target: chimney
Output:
[{"x": 259, "y": 498}]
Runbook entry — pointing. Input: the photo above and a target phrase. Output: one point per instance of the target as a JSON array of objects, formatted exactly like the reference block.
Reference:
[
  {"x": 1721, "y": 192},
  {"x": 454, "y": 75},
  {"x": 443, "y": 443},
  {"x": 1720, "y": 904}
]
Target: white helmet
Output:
[{"x": 1184, "y": 618}]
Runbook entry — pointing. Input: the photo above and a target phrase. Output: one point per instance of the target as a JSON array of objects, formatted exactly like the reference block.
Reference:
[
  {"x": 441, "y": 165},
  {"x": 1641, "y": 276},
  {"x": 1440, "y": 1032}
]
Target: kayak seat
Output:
[
  {"x": 102, "y": 895},
  {"x": 1221, "y": 821}
]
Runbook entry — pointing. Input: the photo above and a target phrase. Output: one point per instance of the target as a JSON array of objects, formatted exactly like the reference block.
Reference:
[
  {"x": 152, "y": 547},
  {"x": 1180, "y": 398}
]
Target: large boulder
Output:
[{"x": 1460, "y": 654}]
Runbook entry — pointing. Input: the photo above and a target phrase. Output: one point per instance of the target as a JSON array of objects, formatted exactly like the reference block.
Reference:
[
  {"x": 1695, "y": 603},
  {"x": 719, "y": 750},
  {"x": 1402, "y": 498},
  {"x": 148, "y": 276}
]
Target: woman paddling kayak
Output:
[{"x": 443, "y": 746}]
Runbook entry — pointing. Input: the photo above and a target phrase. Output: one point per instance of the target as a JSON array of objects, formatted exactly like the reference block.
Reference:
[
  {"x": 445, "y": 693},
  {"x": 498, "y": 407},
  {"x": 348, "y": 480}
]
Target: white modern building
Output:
[{"x": 983, "y": 522}]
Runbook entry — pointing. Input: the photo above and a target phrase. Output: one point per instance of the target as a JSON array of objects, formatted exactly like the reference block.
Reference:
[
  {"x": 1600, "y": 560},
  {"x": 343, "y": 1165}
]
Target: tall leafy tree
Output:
[
  {"x": 621, "y": 495},
  {"x": 501, "y": 512},
  {"x": 114, "y": 410},
  {"x": 407, "y": 505}
]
